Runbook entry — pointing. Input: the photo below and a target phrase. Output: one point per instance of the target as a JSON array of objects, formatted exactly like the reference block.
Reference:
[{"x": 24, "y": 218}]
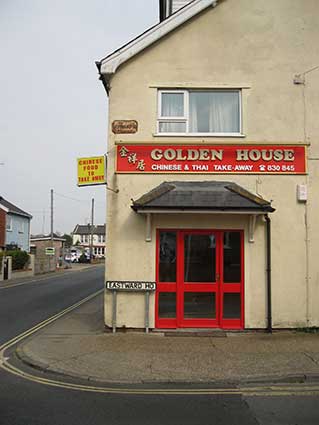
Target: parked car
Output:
[
  {"x": 84, "y": 258},
  {"x": 73, "y": 256}
]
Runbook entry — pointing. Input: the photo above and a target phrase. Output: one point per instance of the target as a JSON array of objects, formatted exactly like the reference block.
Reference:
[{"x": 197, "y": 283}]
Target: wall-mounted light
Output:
[{"x": 299, "y": 79}]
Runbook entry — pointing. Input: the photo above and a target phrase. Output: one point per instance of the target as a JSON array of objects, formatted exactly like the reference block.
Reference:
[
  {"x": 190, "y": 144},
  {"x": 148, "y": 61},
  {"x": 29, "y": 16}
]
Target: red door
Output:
[{"x": 199, "y": 279}]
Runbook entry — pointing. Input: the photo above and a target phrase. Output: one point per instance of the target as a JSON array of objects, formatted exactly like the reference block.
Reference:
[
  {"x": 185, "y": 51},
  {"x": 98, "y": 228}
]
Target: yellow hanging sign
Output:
[{"x": 91, "y": 171}]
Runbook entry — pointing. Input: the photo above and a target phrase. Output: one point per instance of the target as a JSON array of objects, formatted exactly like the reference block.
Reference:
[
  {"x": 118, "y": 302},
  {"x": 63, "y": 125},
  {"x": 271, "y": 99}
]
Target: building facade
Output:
[
  {"x": 17, "y": 226},
  {"x": 46, "y": 258},
  {"x": 82, "y": 237},
  {"x": 213, "y": 148}
]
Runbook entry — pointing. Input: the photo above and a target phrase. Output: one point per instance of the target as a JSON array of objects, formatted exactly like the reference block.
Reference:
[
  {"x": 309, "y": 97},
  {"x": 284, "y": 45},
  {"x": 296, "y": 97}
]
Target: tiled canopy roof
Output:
[{"x": 205, "y": 195}]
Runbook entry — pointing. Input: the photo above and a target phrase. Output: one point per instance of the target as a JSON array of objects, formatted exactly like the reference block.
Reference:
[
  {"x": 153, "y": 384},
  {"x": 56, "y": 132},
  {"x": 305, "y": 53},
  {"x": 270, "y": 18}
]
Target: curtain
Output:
[
  {"x": 172, "y": 105},
  {"x": 214, "y": 112}
]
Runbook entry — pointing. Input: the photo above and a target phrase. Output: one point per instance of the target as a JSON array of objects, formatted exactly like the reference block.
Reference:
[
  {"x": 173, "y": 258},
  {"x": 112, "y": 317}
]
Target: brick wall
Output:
[
  {"x": 2, "y": 228},
  {"x": 45, "y": 263}
]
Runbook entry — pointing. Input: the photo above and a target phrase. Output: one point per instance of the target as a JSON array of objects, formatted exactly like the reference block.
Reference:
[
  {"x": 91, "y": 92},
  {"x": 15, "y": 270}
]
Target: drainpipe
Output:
[{"x": 268, "y": 270}]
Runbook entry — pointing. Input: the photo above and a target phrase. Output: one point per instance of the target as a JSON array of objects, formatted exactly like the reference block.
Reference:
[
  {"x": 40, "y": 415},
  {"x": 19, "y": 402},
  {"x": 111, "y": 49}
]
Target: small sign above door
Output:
[{"x": 124, "y": 126}]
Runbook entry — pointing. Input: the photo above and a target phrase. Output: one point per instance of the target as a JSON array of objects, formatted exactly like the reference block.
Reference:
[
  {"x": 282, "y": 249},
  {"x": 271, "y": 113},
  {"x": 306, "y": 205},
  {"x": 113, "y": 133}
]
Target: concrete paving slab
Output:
[{"x": 77, "y": 345}]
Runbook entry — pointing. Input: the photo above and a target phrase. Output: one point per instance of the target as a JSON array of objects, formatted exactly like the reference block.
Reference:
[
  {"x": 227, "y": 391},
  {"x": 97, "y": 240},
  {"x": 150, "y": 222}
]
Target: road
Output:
[{"x": 27, "y": 403}]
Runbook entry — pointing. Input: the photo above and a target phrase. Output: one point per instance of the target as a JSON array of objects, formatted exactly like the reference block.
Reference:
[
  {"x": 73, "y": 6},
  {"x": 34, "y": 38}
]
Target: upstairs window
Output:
[
  {"x": 9, "y": 224},
  {"x": 199, "y": 112},
  {"x": 21, "y": 227}
]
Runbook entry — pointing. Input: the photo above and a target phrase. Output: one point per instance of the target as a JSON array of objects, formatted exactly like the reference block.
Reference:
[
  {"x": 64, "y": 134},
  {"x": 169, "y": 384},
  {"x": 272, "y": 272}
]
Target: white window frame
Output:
[
  {"x": 185, "y": 118},
  {"x": 181, "y": 119},
  {"x": 21, "y": 227},
  {"x": 9, "y": 222}
]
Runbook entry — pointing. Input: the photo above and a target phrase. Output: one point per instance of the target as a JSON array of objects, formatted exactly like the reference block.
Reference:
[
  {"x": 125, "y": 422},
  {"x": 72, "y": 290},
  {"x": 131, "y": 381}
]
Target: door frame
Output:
[{"x": 220, "y": 289}]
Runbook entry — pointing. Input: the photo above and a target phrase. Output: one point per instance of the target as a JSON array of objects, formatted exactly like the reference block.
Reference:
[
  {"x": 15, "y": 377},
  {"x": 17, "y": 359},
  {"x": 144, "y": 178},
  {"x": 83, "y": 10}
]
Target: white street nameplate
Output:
[{"x": 130, "y": 286}]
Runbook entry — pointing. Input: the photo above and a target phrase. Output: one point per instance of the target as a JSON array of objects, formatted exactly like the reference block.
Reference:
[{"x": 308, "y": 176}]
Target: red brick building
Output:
[{"x": 3, "y": 214}]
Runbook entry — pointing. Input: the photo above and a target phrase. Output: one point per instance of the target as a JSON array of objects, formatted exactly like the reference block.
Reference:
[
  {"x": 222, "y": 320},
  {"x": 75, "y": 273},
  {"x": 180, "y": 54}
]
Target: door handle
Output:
[{"x": 217, "y": 277}]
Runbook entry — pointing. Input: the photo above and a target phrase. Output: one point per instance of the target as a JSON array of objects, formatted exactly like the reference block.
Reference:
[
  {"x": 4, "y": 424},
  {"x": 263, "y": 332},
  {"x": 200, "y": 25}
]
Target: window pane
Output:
[
  {"x": 214, "y": 112},
  {"x": 172, "y": 105},
  {"x": 172, "y": 127},
  {"x": 167, "y": 257},
  {"x": 232, "y": 257},
  {"x": 9, "y": 223},
  {"x": 167, "y": 305},
  {"x": 199, "y": 258},
  {"x": 232, "y": 306},
  {"x": 199, "y": 305}
]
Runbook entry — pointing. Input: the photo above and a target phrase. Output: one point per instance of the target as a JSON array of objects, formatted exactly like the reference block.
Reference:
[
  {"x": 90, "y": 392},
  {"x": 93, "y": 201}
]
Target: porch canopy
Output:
[{"x": 206, "y": 197}]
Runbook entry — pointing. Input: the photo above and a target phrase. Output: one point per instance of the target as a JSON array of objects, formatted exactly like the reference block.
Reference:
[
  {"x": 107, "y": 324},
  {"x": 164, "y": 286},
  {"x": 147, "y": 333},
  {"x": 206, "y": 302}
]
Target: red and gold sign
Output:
[{"x": 213, "y": 159}]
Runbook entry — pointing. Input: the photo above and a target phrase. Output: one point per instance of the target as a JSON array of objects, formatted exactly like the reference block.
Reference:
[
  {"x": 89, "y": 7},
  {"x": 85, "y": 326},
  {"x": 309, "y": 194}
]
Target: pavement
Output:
[{"x": 77, "y": 345}]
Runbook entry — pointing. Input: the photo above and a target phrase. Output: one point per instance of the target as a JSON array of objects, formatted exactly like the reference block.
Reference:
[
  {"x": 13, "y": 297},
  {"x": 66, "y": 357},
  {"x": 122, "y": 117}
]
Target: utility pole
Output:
[
  {"x": 52, "y": 216},
  {"x": 92, "y": 226}
]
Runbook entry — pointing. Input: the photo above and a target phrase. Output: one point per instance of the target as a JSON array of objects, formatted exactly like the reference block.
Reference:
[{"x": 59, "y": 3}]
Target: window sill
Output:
[{"x": 230, "y": 135}]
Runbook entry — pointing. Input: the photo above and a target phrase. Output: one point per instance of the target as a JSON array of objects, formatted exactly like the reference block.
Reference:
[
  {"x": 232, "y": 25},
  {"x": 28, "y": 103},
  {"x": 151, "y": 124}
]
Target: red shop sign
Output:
[{"x": 213, "y": 159}]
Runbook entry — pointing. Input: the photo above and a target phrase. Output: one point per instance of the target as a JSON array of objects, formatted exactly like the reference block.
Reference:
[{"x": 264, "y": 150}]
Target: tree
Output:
[{"x": 68, "y": 240}]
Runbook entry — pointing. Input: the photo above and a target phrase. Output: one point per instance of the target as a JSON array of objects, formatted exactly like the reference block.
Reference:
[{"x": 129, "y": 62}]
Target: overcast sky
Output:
[{"x": 53, "y": 108}]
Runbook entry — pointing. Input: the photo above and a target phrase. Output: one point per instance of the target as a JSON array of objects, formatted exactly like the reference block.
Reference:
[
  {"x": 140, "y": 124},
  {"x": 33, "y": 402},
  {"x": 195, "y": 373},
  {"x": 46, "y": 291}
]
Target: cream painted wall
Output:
[{"x": 258, "y": 46}]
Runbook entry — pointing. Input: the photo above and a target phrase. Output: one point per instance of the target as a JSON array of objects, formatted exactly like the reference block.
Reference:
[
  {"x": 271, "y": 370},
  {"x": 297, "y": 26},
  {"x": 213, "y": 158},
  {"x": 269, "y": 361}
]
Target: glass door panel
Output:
[
  {"x": 166, "y": 293},
  {"x": 232, "y": 257},
  {"x": 231, "y": 306},
  {"x": 199, "y": 305},
  {"x": 167, "y": 257},
  {"x": 199, "y": 258},
  {"x": 198, "y": 289},
  {"x": 167, "y": 305},
  {"x": 232, "y": 281}
]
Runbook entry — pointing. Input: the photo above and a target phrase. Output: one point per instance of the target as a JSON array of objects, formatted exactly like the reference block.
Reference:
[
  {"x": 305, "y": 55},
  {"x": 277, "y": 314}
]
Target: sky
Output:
[{"x": 53, "y": 108}]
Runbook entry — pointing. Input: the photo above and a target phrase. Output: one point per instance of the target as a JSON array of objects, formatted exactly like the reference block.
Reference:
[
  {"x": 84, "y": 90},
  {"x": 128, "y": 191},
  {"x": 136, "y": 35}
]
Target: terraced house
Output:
[
  {"x": 83, "y": 236},
  {"x": 17, "y": 226},
  {"x": 213, "y": 164}
]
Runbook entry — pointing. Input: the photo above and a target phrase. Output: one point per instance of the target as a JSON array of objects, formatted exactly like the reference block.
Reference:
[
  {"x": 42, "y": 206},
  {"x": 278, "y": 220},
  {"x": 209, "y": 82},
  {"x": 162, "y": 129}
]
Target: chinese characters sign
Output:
[
  {"x": 214, "y": 159},
  {"x": 91, "y": 171}
]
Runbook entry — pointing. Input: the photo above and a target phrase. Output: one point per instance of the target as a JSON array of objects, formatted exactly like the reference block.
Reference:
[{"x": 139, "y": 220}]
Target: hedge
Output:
[{"x": 19, "y": 259}]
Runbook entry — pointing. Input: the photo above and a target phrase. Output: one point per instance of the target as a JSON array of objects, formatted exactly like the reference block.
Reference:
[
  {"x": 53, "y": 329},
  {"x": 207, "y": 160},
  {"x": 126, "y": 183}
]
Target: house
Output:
[
  {"x": 17, "y": 225},
  {"x": 46, "y": 258},
  {"x": 82, "y": 237},
  {"x": 213, "y": 161}
]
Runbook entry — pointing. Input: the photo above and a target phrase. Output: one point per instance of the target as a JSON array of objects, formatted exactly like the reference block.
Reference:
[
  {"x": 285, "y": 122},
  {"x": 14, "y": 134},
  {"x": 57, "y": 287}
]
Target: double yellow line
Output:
[{"x": 264, "y": 391}]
